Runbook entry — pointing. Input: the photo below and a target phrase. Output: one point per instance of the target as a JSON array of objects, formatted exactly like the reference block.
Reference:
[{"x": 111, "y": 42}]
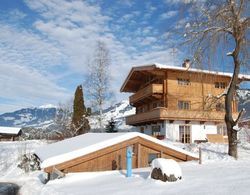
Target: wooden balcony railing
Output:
[
  {"x": 146, "y": 92},
  {"x": 165, "y": 114}
]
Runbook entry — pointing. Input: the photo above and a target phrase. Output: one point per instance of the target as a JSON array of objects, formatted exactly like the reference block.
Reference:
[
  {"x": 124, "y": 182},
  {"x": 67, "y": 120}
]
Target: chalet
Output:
[
  {"x": 9, "y": 133},
  {"x": 178, "y": 103},
  {"x": 106, "y": 151}
]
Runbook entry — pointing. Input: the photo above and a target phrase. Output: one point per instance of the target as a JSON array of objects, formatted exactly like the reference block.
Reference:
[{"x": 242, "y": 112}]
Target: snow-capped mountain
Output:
[
  {"x": 29, "y": 117},
  {"x": 118, "y": 112},
  {"x": 43, "y": 116}
]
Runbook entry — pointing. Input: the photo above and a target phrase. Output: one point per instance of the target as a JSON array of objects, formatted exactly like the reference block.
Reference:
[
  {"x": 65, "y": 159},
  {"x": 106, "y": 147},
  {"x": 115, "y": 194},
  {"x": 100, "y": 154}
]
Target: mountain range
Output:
[{"x": 43, "y": 116}]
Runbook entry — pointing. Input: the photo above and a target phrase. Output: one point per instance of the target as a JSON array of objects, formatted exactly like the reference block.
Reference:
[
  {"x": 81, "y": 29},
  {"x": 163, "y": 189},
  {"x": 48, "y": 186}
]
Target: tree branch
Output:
[{"x": 239, "y": 116}]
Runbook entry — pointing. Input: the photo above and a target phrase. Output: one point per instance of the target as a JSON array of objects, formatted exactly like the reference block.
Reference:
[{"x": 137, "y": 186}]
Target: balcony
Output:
[
  {"x": 158, "y": 114},
  {"x": 153, "y": 91}
]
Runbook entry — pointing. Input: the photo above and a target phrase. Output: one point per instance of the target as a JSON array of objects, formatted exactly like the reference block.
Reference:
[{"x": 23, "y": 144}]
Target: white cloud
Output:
[
  {"x": 67, "y": 33},
  {"x": 168, "y": 15},
  {"x": 25, "y": 61},
  {"x": 26, "y": 48},
  {"x": 178, "y": 1},
  {"x": 148, "y": 41},
  {"x": 76, "y": 26},
  {"x": 27, "y": 84},
  {"x": 16, "y": 14},
  {"x": 128, "y": 3}
]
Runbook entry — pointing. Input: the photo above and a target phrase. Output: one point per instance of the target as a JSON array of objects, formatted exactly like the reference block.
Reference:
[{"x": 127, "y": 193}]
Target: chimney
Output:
[{"x": 186, "y": 63}]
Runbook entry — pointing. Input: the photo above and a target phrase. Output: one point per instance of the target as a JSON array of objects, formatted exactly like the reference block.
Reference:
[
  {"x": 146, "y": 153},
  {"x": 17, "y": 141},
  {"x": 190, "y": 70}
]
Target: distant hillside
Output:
[{"x": 29, "y": 117}]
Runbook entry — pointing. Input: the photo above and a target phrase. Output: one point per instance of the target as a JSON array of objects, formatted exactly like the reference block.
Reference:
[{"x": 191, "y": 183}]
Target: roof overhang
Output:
[
  {"x": 132, "y": 71},
  {"x": 155, "y": 66}
]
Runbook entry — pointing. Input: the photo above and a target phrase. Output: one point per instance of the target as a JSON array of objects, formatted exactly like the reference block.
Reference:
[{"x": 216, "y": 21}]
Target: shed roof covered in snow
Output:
[
  {"x": 10, "y": 130},
  {"x": 85, "y": 144}
]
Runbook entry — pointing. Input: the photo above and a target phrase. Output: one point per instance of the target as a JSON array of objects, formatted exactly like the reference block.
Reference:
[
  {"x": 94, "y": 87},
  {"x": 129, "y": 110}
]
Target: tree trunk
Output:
[
  {"x": 100, "y": 117},
  {"x": 232, "y": 149},
  {"x": 230, "y": 122}
]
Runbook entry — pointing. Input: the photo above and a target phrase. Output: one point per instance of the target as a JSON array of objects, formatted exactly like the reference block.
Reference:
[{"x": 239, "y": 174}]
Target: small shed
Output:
[
  {"x": 106, "y": 151},
  {"x": 9, "y": 133}
]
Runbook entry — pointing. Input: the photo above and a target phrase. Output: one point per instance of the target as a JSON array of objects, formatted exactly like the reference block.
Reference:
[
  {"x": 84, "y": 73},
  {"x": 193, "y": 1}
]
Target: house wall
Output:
[
  {"x": 9, "y": 137},
  {"x": 198, "y": 93},
  {"x": 112, "y": 161},
  {"x": 171, "y": 129},
  {"x": 200, "y": 87}
]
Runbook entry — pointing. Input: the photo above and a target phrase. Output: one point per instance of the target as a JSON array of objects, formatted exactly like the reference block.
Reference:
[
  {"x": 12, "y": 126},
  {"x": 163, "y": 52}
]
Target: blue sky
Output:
[{"x": 45, "y": 44}]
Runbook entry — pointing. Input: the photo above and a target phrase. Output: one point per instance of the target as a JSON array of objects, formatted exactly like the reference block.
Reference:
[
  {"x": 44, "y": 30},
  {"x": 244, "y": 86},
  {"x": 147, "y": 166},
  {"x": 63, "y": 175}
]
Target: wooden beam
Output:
[
  {"x": 138, "y": 155},
  {"x": 161, "y": 154}
]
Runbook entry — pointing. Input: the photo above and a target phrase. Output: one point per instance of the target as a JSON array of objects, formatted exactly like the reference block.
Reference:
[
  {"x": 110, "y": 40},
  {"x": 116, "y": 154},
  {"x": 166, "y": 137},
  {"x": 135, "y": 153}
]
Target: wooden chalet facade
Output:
[
  {"x": 9, "y": 133},
  {"x": 106, "y": 151},
  {"x": 178, "y": 103}
]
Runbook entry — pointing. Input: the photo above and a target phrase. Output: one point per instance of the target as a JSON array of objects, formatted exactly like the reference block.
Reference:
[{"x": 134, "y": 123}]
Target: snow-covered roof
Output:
[
  {"x": 72, "y": 148},
  {"x": 10, "y": 130},
  {"x": 227, "y": 74},
  {"x": 178, "y": 68}
]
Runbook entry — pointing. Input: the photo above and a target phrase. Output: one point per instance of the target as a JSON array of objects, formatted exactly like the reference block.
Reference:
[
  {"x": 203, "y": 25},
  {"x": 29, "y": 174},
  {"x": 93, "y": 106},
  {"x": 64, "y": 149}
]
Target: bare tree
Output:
[
  {"x": 63, "y": 120},
  {"x": 215, "y": 26},
  {"x": 97, "y": 83}
]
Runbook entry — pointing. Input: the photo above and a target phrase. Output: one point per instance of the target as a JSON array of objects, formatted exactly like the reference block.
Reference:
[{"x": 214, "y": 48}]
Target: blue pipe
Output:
[{"x": 129, "y": 161}]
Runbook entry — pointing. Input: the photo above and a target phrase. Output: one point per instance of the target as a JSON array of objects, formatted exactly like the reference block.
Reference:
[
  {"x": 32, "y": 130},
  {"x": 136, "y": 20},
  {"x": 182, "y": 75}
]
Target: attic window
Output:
[
  {"x": 182, "y": 81},
  {"x": 220, "y": 85}
]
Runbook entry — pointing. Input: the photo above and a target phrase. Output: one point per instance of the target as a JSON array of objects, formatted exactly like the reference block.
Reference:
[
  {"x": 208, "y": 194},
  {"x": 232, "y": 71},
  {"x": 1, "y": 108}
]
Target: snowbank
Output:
[{"x": 167, "y": 166}]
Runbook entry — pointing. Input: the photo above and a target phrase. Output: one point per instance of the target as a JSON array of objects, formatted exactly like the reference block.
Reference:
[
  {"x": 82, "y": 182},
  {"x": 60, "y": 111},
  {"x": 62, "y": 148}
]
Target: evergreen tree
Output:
[
  {"x": 80, "y": 123},
  {"x": 111, "y": 126}
]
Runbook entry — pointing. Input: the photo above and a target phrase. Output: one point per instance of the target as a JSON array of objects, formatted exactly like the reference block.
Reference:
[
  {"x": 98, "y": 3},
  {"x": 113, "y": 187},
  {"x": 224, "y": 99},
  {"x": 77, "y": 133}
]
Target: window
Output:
[
  {"x": 220, "y": 85},
  {"x": 182, "y": 81},
  {"x": 183, "y": 105},
  {"x": 156, "y": 130},
  {"x": 151, "y": 157},
  {"x": 222, "y": 130},
  {"x": 141, "y": 109},
  {"x": 185, "y": 134}
]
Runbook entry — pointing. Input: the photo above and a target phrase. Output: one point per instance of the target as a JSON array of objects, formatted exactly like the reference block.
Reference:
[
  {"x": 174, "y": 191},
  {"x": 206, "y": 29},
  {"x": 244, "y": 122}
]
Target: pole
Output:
[
  {"x": 129, "y": 161},
  {"x": 200, "y": 156}
]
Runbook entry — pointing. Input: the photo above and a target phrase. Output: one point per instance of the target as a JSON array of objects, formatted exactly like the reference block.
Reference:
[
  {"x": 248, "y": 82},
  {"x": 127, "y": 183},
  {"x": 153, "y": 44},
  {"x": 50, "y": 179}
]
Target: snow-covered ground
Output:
[
  {"x": 11, "y": 153},
  {"x": 219, "y": 174}
]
